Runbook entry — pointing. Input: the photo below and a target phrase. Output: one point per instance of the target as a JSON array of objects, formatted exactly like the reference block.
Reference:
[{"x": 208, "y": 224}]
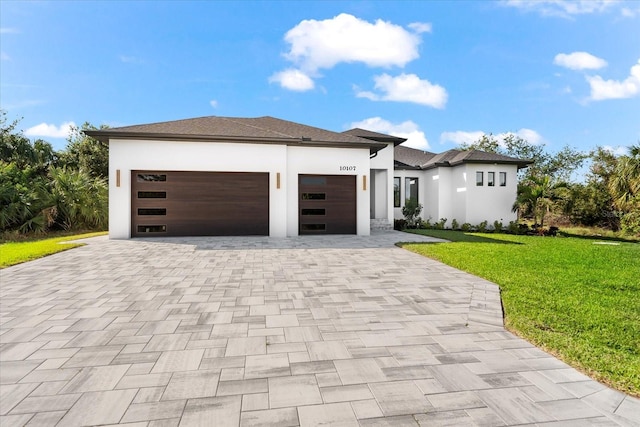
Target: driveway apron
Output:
[{"x": 338, "y": 330}]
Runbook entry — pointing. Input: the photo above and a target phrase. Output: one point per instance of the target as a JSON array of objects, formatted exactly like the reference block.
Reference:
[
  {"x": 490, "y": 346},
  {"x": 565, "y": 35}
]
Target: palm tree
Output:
[
  {"x": 624, "y": 185},
  {"x": 536, "y": 196}
]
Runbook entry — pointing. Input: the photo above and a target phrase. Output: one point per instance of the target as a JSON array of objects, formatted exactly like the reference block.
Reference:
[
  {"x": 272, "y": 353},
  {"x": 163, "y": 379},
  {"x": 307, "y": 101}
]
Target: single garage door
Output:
[
  {"x": 327, "y": 204},
  {"x": 167, "y": 203}
]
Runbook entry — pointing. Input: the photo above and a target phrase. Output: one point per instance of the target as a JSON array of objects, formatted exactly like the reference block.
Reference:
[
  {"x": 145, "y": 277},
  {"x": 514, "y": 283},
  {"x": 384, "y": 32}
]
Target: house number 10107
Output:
[{"x": 347, "y": 168}]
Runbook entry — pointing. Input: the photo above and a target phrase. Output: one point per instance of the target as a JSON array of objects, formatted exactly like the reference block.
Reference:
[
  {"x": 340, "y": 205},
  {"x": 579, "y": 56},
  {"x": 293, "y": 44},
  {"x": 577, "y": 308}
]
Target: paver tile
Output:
[
  {"x": 154, "y": 411},
  {"x": 258, "y": 331},
  {"x": 98, "y": 407},
  {"x": 284, "y": 417},
  {"x": 214, "y": 411},
  {"x": 400, "y": 398},
  {"x": 332, "y": 414},
  {"x": 293, "y": 391},
  {"x": 191, "y": 384}
]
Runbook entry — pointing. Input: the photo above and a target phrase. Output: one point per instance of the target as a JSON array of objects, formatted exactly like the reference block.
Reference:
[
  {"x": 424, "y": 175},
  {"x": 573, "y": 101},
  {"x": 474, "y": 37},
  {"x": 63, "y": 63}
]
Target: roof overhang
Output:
[
  {"x": 521, "y": 164},
  {"x": 107, "y": 135}
]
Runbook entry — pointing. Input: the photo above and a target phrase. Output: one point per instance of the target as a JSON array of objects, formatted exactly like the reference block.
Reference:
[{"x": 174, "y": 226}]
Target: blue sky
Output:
[{"x": 438, "y": 73}]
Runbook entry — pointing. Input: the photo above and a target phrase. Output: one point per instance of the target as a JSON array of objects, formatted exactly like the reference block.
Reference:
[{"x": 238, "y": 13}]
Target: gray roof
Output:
[
  {"x": 427, "y": 160},
  {"x": 411, "y": 156},
  {"x": 257, "y": 130},
  {"x": 375, "y": 136}
]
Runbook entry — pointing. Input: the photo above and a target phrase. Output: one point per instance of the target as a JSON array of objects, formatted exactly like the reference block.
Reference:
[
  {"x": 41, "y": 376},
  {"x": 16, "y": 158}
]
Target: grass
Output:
[
  {"x": 12, "y": 253},
  {"x": 574, "y": 297}
]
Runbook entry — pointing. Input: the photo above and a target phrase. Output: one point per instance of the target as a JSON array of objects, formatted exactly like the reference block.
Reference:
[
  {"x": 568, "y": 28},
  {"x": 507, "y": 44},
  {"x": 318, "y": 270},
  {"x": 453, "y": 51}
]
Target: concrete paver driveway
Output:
[{"x": 306, "y": 331}]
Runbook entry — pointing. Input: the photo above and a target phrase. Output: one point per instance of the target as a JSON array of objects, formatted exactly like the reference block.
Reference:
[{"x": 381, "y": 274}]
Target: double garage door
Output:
[
  {"x": 169, "y": 203},
  {"x": 199, "y": 204}
]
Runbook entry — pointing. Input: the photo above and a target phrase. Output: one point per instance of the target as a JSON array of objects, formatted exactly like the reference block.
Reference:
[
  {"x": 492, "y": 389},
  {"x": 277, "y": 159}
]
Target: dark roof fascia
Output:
[
  {"x": 521, "y": 163},
  {"x": 375, "y": 136},
  {"x": 105, "y": 136},
  {"x": 397, "y": 165}
]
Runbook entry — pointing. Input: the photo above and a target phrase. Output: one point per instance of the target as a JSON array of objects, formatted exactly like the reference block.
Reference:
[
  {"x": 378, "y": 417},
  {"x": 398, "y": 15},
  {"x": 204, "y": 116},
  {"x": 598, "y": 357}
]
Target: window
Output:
[
  {"x": 151, "y": 177},
  {"x": 411, "y": 189},
  {"x": 152, "y": 194},
  {"x": 152, "y": 211},
  {"x": 491, "y": 179},
  {"x": 313, "y": 227},
  {"x": 313, "y": 180},
  {"x": 314, "y": 196},
  {"x": 479, "y": 179},
  {"x": 152, "y": 228},
  {"x": 314, "y": 212},
  {"x": 503, "y": 179},
  {"x": 396, "y": 192}
]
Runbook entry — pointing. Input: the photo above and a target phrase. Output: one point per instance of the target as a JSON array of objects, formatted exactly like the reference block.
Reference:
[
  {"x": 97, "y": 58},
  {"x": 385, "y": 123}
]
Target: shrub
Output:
[
  {"x": 399, "y": 224},
  {"x": 454, "y": 224},
  {"x": 513, "y": 227},
  {"x": 411, "y": 211},
  {"x": 466, "y": 227},
  {"x": 497, "y": 226},
  {"x": 440, "y": 224},
  {"x": 427, "y": 224},
  {"x": 482, "y": 227},
  {"x": 630, "y": 222}
]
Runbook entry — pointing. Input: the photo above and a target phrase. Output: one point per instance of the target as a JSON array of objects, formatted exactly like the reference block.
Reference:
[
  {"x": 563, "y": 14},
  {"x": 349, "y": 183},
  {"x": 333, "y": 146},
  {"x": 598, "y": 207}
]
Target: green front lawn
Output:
[
  {"x": 577, "y": 298},
  {"x": 17, "y": 252}
]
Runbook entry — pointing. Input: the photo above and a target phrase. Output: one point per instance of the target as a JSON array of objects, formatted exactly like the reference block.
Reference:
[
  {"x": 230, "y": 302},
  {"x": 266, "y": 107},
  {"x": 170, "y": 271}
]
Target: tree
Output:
[
  {"x": 624, "y": 186},
  {"x": 86, "y": 153},
  {"x": 559, "y": 166},
  {"x": 536, "y": 195}
]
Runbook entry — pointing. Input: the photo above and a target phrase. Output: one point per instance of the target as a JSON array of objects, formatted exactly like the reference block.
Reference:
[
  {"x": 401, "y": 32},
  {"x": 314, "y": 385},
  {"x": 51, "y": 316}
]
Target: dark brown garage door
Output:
[
  {"x": 327, "y": 204},
  {"x": 199, "y": 203}
]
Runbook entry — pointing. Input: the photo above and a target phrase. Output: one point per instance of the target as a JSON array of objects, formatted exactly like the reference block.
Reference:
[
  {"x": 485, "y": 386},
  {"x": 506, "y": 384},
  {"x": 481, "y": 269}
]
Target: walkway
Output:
[{"x": 340, "y": 331}]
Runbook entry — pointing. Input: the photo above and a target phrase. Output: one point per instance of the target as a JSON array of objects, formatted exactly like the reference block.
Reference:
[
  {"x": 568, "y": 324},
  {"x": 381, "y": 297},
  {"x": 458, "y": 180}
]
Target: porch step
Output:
[{"x": 381, "y": 224}]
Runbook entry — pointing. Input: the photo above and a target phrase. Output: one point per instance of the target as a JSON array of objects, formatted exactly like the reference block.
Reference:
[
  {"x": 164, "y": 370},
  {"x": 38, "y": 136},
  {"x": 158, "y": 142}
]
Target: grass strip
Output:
[
  {"x": 13, "y": 253},
  {"x": 576, "y": 298}
]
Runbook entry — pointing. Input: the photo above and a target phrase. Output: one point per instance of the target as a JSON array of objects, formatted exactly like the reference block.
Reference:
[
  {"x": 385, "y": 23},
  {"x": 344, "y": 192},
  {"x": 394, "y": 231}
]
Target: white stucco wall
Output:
[
  {"x": 452, "y": 193},
  {"x": 491, "y": 203},
  {"x": 383, "y": 161},
  {"x": 128, "y": 155}
]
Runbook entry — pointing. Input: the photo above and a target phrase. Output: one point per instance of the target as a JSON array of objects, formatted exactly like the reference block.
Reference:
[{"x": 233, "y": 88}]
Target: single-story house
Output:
[{"x": 220, "y": 176}]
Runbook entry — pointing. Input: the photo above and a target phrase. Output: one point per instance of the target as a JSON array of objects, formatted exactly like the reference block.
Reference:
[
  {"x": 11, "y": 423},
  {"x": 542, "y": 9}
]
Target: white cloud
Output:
[
  {"x": 317, "y": 45},
  {"x": 562, "y": 8},
  {"x": 6, "y": 30},
  {"x": 630, "y": 13},
  {"x": 213, "y": 103},
  {"x": 407, "y": 88},
  {"x": 620, "y": 150},
  {"x": 293, "y": 79},
  {"x": 579, "y": 61},
  {"x": 421, "y": 27},
  {"x": 345, "y": 38},
  {"x": 50, "y": 131},
  {"x": 464, "y": 137},
  {"x": 461, "y": 137},
  {"x": 407, "y": 129},
  {"x": 613, "y": 89}
]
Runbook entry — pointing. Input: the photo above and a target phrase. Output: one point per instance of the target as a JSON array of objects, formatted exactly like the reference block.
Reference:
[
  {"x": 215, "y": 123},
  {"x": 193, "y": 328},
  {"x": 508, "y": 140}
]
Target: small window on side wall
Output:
[
  {"x": 396, "y": 192},
  {"x": 491, "y": 179},
  {"x": 503, "y": 179},
  {"x": 479, "y": 179}
]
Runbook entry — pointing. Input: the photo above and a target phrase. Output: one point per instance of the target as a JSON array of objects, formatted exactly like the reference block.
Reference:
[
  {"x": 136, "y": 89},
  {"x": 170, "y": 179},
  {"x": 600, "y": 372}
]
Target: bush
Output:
[
  {"x": 466, "y": 227},
  {"x": 427, "y": 224},
  {"x": 630, "y": 222},
  {"x": 513, "y": 227},
  {"x": 497, "y": 226},
  {"x": 482, "y": 227},
  {"x": 411, "y": 211},
  {"x": 440, "y": 224},
  {"x": 399, "y": 224},
  {"x": 454, "y": 224}
]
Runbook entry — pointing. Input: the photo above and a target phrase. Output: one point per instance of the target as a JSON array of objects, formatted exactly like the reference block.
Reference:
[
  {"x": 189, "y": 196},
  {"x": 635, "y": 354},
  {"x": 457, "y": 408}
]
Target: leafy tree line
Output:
[
  {"x": 42, "y": 189},
  {"x": 609, "y": 197}
]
